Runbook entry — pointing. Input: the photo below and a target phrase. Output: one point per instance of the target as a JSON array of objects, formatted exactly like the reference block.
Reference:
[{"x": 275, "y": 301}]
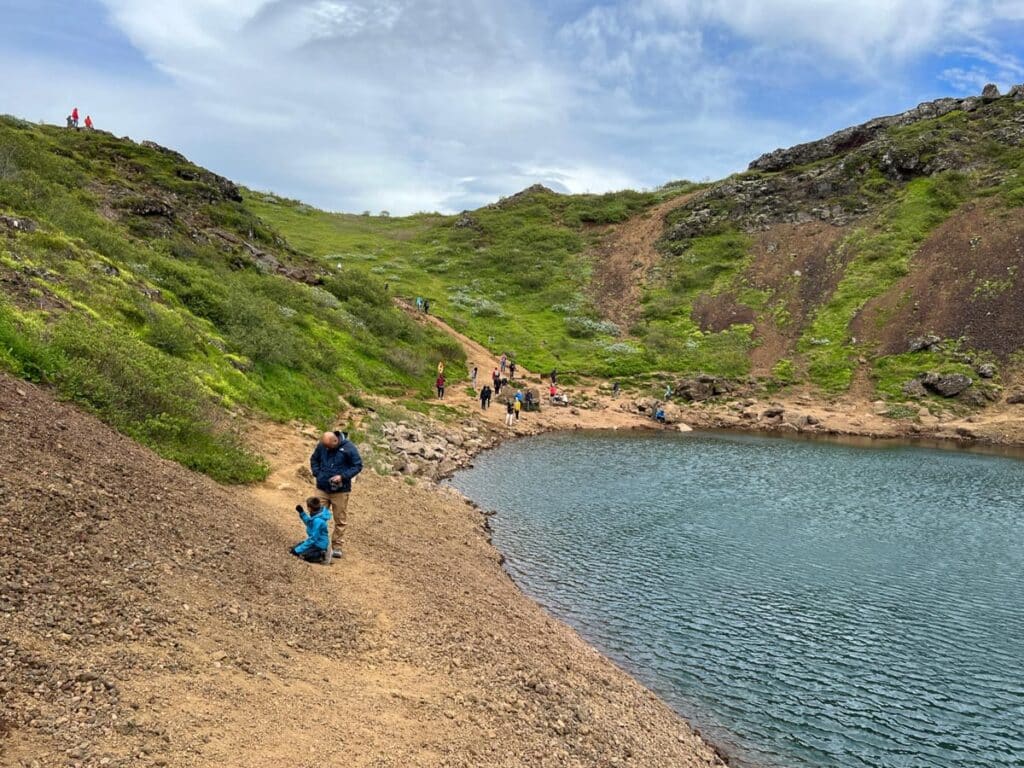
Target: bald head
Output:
[{"x": 329, "y": 439}]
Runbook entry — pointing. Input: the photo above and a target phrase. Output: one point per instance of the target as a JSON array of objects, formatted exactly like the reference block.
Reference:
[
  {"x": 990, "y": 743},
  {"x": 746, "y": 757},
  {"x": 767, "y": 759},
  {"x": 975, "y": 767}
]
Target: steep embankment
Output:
[
  {"x": 151, "y": 617},
  {"x": 143, "y": 287}
]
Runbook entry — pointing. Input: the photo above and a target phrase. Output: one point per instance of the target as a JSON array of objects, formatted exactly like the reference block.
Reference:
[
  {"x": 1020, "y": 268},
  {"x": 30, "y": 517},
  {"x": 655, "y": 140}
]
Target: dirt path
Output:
[{"x": 624, "y": 259}]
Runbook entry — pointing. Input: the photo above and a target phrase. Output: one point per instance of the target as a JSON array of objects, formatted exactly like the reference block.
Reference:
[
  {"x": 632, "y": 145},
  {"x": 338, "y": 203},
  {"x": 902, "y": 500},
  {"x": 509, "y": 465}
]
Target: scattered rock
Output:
[
  {"x": 990, "y": 92},
  {"x": 1016, "y": 397},
  {"x": 924, "y": 343},
  {"x": 947, "y": 385},
  {"x": 987, "y": 371}
]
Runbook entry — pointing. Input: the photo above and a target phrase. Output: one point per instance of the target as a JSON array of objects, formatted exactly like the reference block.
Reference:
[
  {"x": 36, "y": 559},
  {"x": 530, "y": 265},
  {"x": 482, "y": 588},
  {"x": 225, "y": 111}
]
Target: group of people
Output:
[
  {"x": 73, "y": 120},
  {"x": 423, "y": 305},
  {"x": 334, "y": 462}
]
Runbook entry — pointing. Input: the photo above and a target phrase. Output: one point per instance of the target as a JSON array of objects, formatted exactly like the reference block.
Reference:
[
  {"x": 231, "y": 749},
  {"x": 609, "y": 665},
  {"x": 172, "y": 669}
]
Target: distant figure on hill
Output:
[
  {"x": 510, "y": 411},
  {"x": 512, "y": 370},
  {"x": 485, "y": 397},
  {"x": 554, "y": 375},
  {"x": 659, "y": 415},
  {"x": 615, "y": 389},
  {"x": 314, "y": 548},
  {"x": 71, "y": 123},
  {"x": 426, "y": 306},
  {"x": 668, "y": 391},
  {"x": 74, "y": 117},
  {"x": 528, "y": 403},
  {"x": 88, "y": 122},
  {"x": 419, "y": 303},
  {"x": 496, "y": 380},
  {"x": 503, "y": 362},
  {"x": 472, "y": 376},
  {"x": 335, "y": 461},
  {"x": 440, "y": 386}
]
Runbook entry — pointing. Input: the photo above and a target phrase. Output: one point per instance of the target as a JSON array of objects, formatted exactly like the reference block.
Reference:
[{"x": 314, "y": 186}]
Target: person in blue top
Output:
[
  {"x": 334, "y": 463},
  {"x": 314, "y": 548}
]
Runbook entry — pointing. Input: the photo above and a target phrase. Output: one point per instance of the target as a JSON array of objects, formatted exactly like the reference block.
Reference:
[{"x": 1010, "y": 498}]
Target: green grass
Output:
[
  {"x": 877, "y": 256},
  {"x": 170, "y": 336},
  {"x": 891, "y": 372}
]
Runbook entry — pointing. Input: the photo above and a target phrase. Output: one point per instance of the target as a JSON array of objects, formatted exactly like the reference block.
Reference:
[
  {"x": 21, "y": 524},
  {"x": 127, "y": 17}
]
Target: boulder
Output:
[
  {"x": 990, "y": 92},
  {"x": 13, "y": 224},
  {"x": 673, "y": 413},
  {"x": 702, "y": 387},
  {"x": 1016, "y": 92},
  {"x": 773, "y": 412},
  {"x": 914, "y": 388},
  {"x": 947, "y": 385},
  {"x": 987, "y": 371},
  {"x": 1016, "y": 397},
  {"x": 924, "y": 343}
]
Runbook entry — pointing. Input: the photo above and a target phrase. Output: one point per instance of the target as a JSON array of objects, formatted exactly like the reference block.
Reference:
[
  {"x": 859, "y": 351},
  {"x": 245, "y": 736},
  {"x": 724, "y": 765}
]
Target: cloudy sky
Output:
[{"x": 411, "y": 105}]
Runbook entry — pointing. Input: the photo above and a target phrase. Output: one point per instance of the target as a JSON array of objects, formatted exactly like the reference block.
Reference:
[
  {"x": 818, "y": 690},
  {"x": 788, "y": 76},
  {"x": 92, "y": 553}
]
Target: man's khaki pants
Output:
[{"x": 338, "y": 503}]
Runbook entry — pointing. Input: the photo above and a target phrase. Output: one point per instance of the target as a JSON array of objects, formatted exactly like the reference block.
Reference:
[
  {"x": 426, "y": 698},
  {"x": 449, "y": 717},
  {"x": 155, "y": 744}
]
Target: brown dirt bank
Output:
[{"x": 151, "y": 617}]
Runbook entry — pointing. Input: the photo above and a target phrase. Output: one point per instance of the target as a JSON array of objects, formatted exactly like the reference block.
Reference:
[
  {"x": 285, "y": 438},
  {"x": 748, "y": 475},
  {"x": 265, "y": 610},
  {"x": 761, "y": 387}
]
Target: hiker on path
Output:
[
  {"x": 314, "y": 548},
  {"x": 510, "y": 411},
  {"x": 485, "y": 398},
  {"x": 512, "y": 370},
  {"x": 472, "y": 376},
  {"x": 426, "y": 306},
  {"x": 668, "y": 391},
  {"x": 440, "y": 386},
  {"x": 615, "y": 390},
  {"x": 496, "y": 379},
  {"x": 554, "y": 376},
  {"x": 419, "y": 303},
  {"x": 88, "y": 123},
  {"x": 503, "y": 361},
  {"x": 335, "y": 461},
  {"x": 74, "y": 117},
  {"x": 517, "y": 405}
]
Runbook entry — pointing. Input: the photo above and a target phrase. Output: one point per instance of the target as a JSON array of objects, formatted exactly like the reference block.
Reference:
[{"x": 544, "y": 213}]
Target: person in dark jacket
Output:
[
  {"x": 335, "y": 461},
  {"x": 314, "y": 548},
  {"x": 485, "y": 397}
]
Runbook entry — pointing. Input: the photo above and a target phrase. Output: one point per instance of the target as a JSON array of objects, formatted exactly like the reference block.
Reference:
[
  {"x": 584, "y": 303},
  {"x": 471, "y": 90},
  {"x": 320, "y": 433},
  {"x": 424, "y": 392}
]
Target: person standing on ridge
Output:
[
  {"x": 88, "y": 122},
  {"x": 472, "y": 376},
  {"x": 440, "y": 386},
  {"x": 510, "y": 411},
  {"x": 334, "y": 462},
  {"x": 74, "y": 117}
]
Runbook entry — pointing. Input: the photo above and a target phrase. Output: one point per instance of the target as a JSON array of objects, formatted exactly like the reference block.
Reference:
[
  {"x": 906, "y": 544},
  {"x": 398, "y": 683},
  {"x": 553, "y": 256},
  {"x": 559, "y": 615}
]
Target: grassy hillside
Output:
[
  {"x": 514, "y": 275},
  {"x": 143, "y": 287},
  {"x": 804, "y": 270}
]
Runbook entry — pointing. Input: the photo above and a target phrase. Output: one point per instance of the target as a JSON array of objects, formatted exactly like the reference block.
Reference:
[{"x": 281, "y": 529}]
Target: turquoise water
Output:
[{"x": 801, "y": 603}]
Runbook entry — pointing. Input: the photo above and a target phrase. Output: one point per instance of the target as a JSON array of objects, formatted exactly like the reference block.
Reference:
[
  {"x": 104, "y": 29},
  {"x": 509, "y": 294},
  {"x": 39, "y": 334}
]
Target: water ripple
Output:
[{"x": 804, "y": 604}]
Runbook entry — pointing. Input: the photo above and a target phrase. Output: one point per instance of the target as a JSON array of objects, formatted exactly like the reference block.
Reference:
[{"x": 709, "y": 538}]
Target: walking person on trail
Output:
[
  {"x": 335, "y": 461},
  {"x": 510, "y": 411},
  {"x": 419, "y": 303},
  {"x": 615, "y": 389},
  {"x": 512, "y": 370},
  {"x": 315, "y": 548},
  {"x": 440, "y": 386},
  {"x": 554, "y": 375},
  {"x": 472, "y": 376},
  {"x": 485, "y": 397},
  {"x": 504, "y": 362},
  {"x": 88, "y": 122},
  {"x": 426, "y": 306},
  {"x": 496, "y": 379}
]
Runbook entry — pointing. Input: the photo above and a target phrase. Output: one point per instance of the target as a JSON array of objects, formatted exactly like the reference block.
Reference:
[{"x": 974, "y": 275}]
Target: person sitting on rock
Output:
[
  {"x": 315, "y": 548},
  {"x": 659, "y": 415}
]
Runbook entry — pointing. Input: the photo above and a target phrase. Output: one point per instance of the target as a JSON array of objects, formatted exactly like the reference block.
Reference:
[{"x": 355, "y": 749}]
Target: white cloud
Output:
[{"x": 420, "y": 104}]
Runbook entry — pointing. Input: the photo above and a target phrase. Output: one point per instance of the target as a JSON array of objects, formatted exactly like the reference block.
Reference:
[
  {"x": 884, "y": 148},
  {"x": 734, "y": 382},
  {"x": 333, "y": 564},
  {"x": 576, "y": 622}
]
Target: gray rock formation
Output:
[{"x": 947, "y": 385}]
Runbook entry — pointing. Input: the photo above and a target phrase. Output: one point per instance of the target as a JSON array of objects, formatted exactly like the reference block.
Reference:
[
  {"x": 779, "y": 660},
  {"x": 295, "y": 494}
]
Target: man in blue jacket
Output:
[{"x": 334, "y": 463}]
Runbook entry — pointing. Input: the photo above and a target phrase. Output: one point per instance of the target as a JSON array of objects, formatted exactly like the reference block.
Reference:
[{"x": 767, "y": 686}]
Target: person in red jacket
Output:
[
  {"x": 88, "y": 123},
  {"x": 440, "y": 386},
  {"x": 74, "y": 116}
]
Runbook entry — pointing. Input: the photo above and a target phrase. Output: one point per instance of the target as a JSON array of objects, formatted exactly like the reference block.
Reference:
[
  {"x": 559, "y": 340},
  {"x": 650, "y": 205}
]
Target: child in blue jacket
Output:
[{"x": 315, "y": 549}]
